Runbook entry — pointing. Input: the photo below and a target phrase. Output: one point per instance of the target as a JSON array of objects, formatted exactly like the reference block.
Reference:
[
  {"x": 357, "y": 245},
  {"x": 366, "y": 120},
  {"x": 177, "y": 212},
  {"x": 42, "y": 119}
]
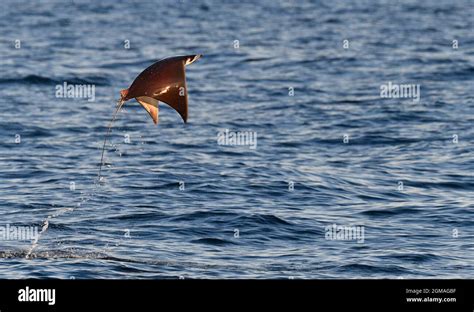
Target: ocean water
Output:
[{"x": 330, "y": 150}]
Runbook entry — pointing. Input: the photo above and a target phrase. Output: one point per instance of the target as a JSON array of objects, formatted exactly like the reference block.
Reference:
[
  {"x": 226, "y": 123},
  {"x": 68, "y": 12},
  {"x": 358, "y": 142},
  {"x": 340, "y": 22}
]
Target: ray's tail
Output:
[{"x": 119, "y": 106}]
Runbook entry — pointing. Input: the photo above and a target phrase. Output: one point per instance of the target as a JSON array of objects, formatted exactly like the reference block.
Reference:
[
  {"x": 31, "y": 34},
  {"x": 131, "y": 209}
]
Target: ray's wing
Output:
[
  {"x": 150, "y": 105},
  {"x": 174, "y": 93}
]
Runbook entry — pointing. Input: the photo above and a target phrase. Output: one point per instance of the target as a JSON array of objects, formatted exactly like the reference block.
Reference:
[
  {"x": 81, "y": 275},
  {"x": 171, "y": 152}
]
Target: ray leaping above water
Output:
[{"x": 163, "y": 81}]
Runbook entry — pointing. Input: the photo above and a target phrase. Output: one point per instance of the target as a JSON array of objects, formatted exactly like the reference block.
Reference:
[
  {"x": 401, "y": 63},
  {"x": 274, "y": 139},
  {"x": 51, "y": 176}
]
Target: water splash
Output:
[
  {"x": 44, "y": 229},
  {"x": 60, "y": 212}
]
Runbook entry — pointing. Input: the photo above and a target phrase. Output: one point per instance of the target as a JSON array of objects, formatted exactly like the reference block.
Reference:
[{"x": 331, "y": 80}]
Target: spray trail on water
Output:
[{"x": 65, "y": 210}]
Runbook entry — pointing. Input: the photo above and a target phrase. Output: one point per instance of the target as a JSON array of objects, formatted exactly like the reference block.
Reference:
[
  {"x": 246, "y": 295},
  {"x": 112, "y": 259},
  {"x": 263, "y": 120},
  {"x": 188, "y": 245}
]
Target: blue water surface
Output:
[{"x": 174, "y": 203}]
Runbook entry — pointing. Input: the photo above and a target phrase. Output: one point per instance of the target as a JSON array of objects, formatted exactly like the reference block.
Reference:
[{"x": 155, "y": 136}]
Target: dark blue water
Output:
[{"x": 139, "y": 224}]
